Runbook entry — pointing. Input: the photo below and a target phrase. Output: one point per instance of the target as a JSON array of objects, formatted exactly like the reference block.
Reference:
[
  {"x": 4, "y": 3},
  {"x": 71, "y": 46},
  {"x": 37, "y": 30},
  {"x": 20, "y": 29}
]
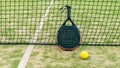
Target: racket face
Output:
[{"x": 68, "y": 36}]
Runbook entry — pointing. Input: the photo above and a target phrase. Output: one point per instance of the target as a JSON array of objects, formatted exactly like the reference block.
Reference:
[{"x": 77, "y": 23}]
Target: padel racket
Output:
[{"x": 68, "y": 37}]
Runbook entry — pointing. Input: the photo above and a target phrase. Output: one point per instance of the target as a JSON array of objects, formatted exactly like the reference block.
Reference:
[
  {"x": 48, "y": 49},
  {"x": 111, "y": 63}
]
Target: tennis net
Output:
[{"x": 97, "y": 20}]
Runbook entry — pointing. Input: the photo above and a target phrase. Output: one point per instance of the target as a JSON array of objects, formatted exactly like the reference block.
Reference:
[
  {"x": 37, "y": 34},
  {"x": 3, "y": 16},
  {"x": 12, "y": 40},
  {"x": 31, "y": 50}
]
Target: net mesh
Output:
[{"x": 37, "y": 21}]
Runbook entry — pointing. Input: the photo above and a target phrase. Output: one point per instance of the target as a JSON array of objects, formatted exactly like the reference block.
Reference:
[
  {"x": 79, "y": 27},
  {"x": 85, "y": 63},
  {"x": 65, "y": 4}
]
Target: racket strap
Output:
[{"x": 68, "y": 14}]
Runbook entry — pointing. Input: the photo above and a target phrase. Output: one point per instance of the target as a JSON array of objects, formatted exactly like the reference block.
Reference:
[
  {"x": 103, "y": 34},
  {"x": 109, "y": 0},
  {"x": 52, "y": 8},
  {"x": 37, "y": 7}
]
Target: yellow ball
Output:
[{"x": 84, "y": 55}]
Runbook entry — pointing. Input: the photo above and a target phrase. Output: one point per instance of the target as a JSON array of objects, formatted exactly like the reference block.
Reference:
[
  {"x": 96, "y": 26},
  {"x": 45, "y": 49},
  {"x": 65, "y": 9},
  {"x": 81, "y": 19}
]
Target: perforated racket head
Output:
[{"x": 68, "y": 37}]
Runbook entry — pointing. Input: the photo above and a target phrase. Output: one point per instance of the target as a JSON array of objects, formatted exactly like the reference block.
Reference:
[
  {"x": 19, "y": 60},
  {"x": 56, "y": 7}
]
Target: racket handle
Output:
[{"x": 68, "y": 11}]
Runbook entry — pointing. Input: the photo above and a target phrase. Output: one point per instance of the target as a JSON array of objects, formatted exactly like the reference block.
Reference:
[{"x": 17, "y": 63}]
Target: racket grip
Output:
[{"x": 68, "y": 11}]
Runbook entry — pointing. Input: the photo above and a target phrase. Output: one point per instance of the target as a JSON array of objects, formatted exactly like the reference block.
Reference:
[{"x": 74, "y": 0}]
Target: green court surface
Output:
[{"x": 53, "y": 57}]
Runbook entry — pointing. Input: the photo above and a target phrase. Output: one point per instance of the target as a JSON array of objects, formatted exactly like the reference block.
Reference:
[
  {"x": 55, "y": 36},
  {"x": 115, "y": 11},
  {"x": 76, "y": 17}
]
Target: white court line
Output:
[{"x": 28, "y": 51}]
